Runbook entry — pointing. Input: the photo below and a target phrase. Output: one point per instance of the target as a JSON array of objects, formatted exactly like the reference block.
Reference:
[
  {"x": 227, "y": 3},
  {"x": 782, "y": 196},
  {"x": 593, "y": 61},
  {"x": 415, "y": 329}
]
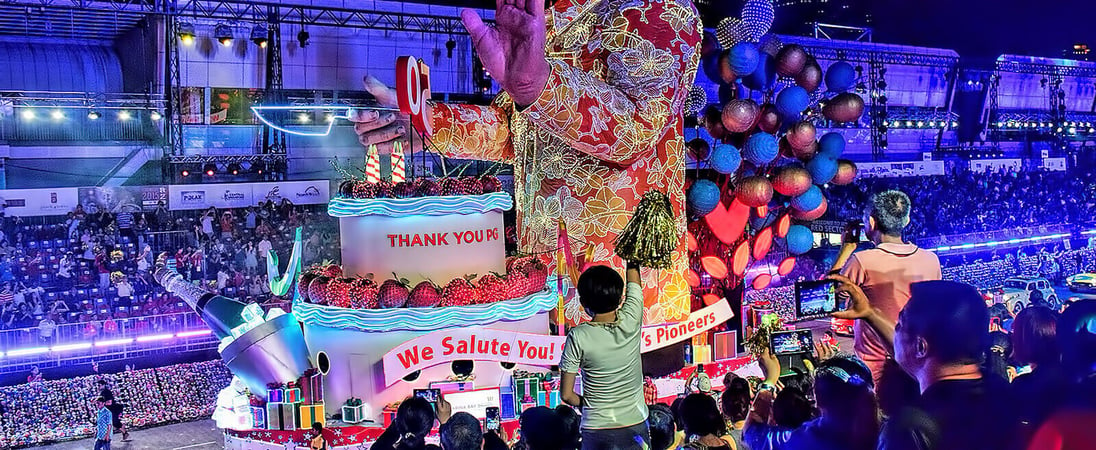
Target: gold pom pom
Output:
[{"x": 651, "y": 236}]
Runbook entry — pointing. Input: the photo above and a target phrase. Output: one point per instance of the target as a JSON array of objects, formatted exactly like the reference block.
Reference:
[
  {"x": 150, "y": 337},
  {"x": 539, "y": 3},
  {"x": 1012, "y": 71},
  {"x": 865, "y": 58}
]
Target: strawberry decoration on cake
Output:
[
  {"x": 460, "y": 292},
  {"x": 393, "y": 294},
  {"x": 425, "y": 295},
  {"x": 317, "y": 289},
  {"x": 492, "y": 288},
  {"x": 364, "y": 293},
  {"x": 338, "y": 292}
]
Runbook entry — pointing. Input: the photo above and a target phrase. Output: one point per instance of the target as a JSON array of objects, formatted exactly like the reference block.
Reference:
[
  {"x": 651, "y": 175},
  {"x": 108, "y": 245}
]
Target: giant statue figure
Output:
[{"x": 590, "y": 118}]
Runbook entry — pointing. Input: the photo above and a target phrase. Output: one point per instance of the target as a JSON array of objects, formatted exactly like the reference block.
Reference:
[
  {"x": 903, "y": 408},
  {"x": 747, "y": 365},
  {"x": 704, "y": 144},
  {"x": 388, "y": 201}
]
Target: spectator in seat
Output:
[
  {"x": 228, "y": 224},
  {"x": 35, "y": 375},
  {"x": 461, "y": 432},
  {"x": 1035, "y": 348},
  {"x": 46, "y": 329},
  {"x": 885, "y": 272}
]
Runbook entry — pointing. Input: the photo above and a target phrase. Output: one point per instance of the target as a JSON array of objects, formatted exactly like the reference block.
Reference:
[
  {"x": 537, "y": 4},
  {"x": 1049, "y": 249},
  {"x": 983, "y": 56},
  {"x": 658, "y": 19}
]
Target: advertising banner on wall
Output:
[
  {"x": 996, "y": 165},
  {"x": 900, "y": 169},
  {"x": 311, "y": 192},
  {"x": 39, "y": 202},
  {"x": 203, "y": 196},
  {"x": 121, "y": 198}
]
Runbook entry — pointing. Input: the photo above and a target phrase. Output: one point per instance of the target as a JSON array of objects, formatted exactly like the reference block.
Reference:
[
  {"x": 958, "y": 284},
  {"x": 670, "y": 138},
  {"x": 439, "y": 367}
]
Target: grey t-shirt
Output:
[{"x": 612, "y": 373}]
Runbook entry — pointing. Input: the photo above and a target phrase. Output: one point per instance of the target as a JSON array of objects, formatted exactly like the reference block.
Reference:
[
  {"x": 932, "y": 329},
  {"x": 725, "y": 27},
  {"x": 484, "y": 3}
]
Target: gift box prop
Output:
[
  {"x": 353, "y": 411},
  {"x": 281, "y": 416},
  {"x": 311, "y": 386},
  {"x": 258, "y": 416},
  {"x": 311, "y": 414}
]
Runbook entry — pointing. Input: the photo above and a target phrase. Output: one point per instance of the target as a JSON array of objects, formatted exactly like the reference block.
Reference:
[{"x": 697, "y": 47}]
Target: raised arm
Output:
[
  {"x": 472, "y": 132},
  {"x": 651, "y": 65}
]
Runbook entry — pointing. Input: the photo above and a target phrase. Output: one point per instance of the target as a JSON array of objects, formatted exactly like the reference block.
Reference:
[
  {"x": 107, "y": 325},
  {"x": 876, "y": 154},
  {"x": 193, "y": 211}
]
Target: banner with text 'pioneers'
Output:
[{"x": 485, "y": 344}]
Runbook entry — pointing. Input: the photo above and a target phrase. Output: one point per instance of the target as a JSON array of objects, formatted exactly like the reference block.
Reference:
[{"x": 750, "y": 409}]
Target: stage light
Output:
[
  {"x": 909, "y": 123},
  {"x": 302, "y": 38},
  {"x": 93, "y": 115},
  {"x": 185, "y": 173},
  {"x": 223, "y": 34},
  {"x": 124, "y": 115},
  {"x": 259, "y": 167},
  {"x": 28, "y": 114},
  {"x": 920, "y": 123},
  {"x": 185, "y": 32},
  {"x": 328, "y": 118},
  {"x": 449, "y": 46},
  {"x": 210, "y": 169},
  {"x": 1072, "y": 130},
  {"x": 259, "y": 35},
  {"x": 303, "y": 118},
  {"x": 1092, "y": 130},
  {"x": 1058, "y": 130},
  {"x": 932, "y": 124},
  {"x": 234, "y": 168},
  {"x": 954, "y": 124},
  {"x": 155, "y": 115},
  {"x": 57, "y": 114}
]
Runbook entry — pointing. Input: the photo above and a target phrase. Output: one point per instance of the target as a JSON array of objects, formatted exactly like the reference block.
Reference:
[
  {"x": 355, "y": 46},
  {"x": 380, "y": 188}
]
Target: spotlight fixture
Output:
[
  {"x": 259, "y": 35},
  {"x": 328, "y": 118},
  {"x": 185, "y": 32},
  {"x": 234, "y": 168},
  {"x": 258, "y": 167},
  {"x": 155, "y": 115},
  {"x": 124, "y": 115},
  {"x": 185, "y": 173},
  {"x": 302, "y": 38},
  {"x": 28, "y": 114},
  {"x": 57, "y": 114},
  {"x": 210, "y": 169},
  {"x": 449, "y": 46},
  {"x": 223, "y": 34},
  {"x": 304, "y": 118},
  {"x": 94, "y": 115}
]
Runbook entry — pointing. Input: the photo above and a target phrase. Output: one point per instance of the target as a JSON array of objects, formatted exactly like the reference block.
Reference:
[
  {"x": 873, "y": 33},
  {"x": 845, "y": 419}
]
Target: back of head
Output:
[
  {"x": 461, "y": 432},
  {"x": 600, "y": 289},
  {"x": 540, "y": 429},
  {"x": 891, "y": 211},
  {"x": 951, "y": 317},
  {"x": 675, "y": 408},
  {"x": 846, "y": 396},
  {"x": 701, "y": 416},
  {"x": 572, "y": 426},
  {"x": 1035, "y": 336},
  {"x": 997, "y": 355},
  {"x": 414, "y": 419},
  {"x": 735, "y": 400},
  {"x": 1077, "y": 337},
  {"x": 661, "y": 422},
  {"x": 792, "y": 408}
]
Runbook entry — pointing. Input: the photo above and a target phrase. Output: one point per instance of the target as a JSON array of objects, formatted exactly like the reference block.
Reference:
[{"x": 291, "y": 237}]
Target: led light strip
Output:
[
  {"x": 1005, "y": 242},
  {"x": 104, "y": 343},
  {"x": 422, "y": 206}
]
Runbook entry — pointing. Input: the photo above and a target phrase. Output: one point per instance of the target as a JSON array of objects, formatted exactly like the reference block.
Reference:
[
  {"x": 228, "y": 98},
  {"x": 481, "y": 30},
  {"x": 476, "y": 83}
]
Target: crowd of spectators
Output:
[
  {"x": 94, "y": 268},
  {"x": 40, "y": 412}
]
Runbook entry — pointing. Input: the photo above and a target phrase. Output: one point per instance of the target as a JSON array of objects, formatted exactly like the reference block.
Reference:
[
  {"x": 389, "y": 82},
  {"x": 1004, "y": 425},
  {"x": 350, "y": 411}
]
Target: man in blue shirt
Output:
[{"x": 103, "y": 425}]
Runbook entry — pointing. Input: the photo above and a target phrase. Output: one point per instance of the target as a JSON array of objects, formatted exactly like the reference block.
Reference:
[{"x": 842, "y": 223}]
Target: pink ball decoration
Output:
[
  {"x": 740, "y": 115},
  {"x": 698, "y": 149},
  {"x": 791, "y": 60},
  {"x": 847, "y": 107},
  {"x": 810, "y": 77},
  {"x": 802, "y": 135},
  {"x": 768, "y": 120},
  {"x": 807, "y": 153},
  {"x": 812, "y": 214},
  {"x": 846, "y": 172},
  {"x": 712, "y": 121},
  {"x": 754, "y": 191},
  {"x": 792, "y": 181}
]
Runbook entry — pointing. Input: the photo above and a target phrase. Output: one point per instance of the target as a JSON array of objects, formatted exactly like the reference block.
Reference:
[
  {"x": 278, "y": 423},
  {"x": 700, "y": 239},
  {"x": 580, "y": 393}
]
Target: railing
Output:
[{"x": 1001, "y": 237}]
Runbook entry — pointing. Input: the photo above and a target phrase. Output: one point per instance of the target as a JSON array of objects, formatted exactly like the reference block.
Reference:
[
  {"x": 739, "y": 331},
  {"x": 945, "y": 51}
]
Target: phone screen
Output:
[
  {"x": 815, "y": 299},
  {"x": 431, "y": 395},
  {"x": 791, "y": 342},
  {"x": 494, "y": 420}
]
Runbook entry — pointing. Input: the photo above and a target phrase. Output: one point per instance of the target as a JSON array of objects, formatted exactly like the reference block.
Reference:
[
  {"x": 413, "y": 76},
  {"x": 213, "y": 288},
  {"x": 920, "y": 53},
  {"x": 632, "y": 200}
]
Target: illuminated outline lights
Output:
[
  {"x": 337, "y": 112},
  {"x": 945, "y": 248},
  {"x": 422, "y": 206},
  {"x": 104, "y": 343}
]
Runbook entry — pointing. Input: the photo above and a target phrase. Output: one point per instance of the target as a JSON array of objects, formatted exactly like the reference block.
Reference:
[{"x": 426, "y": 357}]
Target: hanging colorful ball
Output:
[
  {"x": 764, "y": 76},
  {"x": 740, "y": 115},
  {"x": 832, "y": 145},
  {"x": 726, "y": 73},
  {"x": 822, "y": 169},
  {"x": 791, "y": 60},
  {"x": 840, "y": 76},
  {"x": 712, "y": 121},
  {"x": 695, "y": 101},
  {"x": 725, "y": 159},
  {"x": 768, "y": 120},
  {"x": 812, "y": 214},
  {"x": 761, "y": 148},
  {"x": 846, "y": 172},
  {"x": 800, "y": 240},
  {"x": 810, "y": 77},
  {"x": 703, "y": 197},
  {"x": 792, "y": 180},
  {"x": 771, "y": 44},
  {"x": 802, "y": 135},
  {"x": 754, "y": 191},
  {"x": 791, "y": 101},
  {"x": 699, "y": 149},
  {"x": 847, "y": 107},
  {"x": 808, "y": 200},
  {"x": 758, "y": 16},
  {"x": 731, "y": 31},
  {"x": 744, "y": 58}
]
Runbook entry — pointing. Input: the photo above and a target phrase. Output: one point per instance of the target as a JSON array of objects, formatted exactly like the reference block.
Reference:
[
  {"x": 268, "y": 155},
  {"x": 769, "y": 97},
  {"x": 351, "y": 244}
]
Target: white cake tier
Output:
[{"x": 428, "y": 238}]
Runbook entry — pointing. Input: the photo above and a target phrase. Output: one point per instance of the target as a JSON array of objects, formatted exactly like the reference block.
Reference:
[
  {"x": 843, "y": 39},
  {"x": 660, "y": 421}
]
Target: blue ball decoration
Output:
[
  {"x": 800, "y": 240},
  {"x": 744, "y": 58},
  {"x": 822, "y": 169},
  {"x": 764, "y": 76},
  {"x": 761, "y": 148},
  {"x": 791, "y": 101},
  {"x": 703, "y": 197},
  {"x": 809, "y": 200},
  {"x": 758, "y": 223},
  {"x": 840, "y": 76},
  {"x": 831, "y": 145},
  {"x": 725, "y": 159}
]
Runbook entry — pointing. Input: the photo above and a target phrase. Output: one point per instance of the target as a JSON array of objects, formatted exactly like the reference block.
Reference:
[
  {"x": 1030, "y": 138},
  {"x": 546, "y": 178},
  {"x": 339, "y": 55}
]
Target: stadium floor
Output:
[{"x": 197, "y": 435}]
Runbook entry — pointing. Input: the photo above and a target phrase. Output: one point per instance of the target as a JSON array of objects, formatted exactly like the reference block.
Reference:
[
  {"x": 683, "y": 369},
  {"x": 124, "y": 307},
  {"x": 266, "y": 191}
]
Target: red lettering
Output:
[
  {"x": 711, "y": 316},
  {"x": 447, "y": 346},
  {"x": 427, "y": 353},
  {"x": 552, "y": 352},
  {"x": 493, "y": 234},
  {"x": 692, "y": 326},
  {"x": 483, "y": 347},
  {"x": 405, "y": 240},
  {"x": 660, "y": 334},
  {"x": 392, "y": 240},
  {"x": 431, "y": 239},
  {"x": 459, "y": 236},
  {"x": 647, "y": 338},
  {"x": 417, "y": 242},
  {"x": 442, "y": 239},
  {"x": 504, "y": 349},
  {"x": 409, "y": 357},
  {"x": 479, "y": 236}
]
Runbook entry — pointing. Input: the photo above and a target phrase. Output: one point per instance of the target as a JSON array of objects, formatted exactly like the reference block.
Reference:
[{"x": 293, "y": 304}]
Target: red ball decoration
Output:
[
  {"x": 792, "y": 181},
  {"x": 807, "y": 153},
  {"x": 791, "y": 60},
  {"x": 768, "y": 120},
  {"x": 812, "y": 214},
  {"x": 846, "y": 172},
  {"x": 810, "y": 77},
  {"x": 712, "y": 121},
  {"x": 754, "y": 191},
  {"x": 847, "y": 107},
  {"x": 698, "y": 149},
  {"x": 740, "y": 115},
  {"x": 726, "y": 73},
  {"x": 802, "y": 135}
]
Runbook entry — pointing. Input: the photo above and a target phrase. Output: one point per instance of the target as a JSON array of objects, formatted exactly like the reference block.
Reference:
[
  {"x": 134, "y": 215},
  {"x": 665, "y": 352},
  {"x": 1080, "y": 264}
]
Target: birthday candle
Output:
[
  {"x": 399, "y": 169},
  {"x": 373, "y": 165}
]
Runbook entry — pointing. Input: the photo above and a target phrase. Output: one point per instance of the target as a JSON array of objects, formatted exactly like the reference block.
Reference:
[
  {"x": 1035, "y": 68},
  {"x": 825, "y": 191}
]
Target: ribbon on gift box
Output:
[{"x": 352, "y": 401}]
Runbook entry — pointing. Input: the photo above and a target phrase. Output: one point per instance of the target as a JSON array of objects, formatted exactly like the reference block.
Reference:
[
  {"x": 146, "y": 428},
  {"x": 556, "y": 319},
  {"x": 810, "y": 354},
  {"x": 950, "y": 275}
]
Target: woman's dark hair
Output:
[
  {"x": 675, "y": 408},
  {"x": 846, "y": 396},
  {"x": 571, "y": 427},
  {"x": 660, "y": 419},
  {"x": 801, "y": 380},
  {"x": 996, "y": 361},
  {"x": 735, "y": 400},
  {"x": 414, "y": 419},
  {"x": 701, "y": 416},
  {"x": 1035, "y": 336},
  {"x": 540, "y": 428},
  {"x": 600, "y": 288},
  {"x": 792, "y": 408}
]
